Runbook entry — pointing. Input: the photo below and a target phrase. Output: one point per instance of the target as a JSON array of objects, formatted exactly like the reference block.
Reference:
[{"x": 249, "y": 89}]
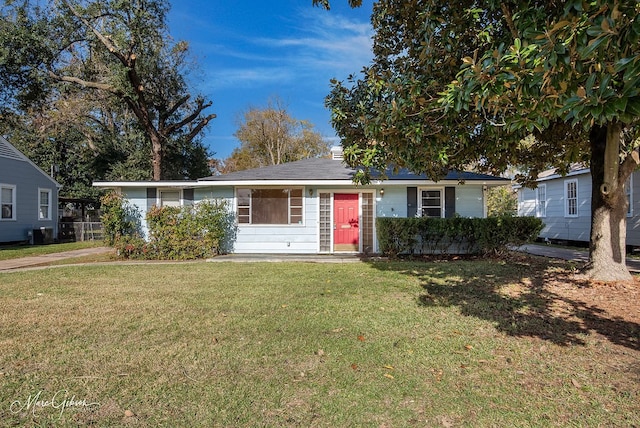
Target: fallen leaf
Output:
[
  {"x": 468, "y": 347},
  {"x": 361, "y": 338},
  {"x": 387, "y": 375},
  {"x": 576, "y": 383},
  {"x": 284, "y": 306},
  {"x": 129, "y": 413},
  {"x": 319, "y": 352},
  {"x": 354, "y": 366},
  {"x": 388, "y": 367}
]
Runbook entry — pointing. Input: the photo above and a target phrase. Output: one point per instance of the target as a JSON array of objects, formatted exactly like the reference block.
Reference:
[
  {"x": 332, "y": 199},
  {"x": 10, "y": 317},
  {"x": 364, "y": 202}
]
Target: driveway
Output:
[
  {"x": 570, "y": 254},
  {"x": 24, "y": 262}
]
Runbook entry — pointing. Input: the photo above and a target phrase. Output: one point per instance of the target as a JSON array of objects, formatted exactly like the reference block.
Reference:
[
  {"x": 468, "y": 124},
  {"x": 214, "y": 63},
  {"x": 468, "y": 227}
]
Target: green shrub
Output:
[
  {"x": 454, "y": 235},
  {"x": 190, "y": 232},
  {"x": 119, "y": 218}
]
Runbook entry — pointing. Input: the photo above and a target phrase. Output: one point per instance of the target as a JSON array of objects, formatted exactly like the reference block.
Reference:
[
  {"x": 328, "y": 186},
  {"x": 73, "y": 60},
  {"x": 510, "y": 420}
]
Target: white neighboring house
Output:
[
  {"x": 563, "y": 203},
  {"x": 29, "y": 199},
  {"x": 312, "y": 206}
]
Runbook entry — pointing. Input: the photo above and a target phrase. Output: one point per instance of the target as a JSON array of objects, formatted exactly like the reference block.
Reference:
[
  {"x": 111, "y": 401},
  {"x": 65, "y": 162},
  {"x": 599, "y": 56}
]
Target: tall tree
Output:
[
  {"x": 119, "y": 48},
  {"x": 455, "y": 84},
  {"x": 270, "y": 136}
]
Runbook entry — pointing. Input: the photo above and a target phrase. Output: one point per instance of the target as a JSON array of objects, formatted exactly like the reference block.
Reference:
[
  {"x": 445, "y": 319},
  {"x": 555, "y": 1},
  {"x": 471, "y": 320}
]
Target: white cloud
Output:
[{"x": 327, "y": 45}]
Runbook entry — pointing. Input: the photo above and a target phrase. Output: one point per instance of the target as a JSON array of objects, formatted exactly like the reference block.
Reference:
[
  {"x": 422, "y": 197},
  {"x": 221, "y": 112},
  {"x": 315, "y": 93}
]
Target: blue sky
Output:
[{"x": 250, "y": 51}]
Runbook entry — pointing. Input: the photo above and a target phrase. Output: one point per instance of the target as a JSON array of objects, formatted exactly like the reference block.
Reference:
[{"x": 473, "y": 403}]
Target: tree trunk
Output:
[
  {"x": 156, "y": 156},
  {"x": 607, "y": 246}
]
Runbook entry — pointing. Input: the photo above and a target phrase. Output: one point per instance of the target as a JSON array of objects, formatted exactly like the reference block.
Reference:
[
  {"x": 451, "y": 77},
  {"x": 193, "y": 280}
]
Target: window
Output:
[
  {"x": 628, "y": 187},
  {"x": 44, "y": 204},
  {"x": 269, "y": 206},
  {"x": 541, "y": 200},
  {"x": 430, "y": 203},
  {"x": 571, "y": 198},
  {"x": 169, "y": 198},
  {"x": 8, "y": 199}
]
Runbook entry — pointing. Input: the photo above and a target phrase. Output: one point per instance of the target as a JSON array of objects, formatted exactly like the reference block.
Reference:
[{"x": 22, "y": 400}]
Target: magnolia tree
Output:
[{"x": 532, "y": 83}]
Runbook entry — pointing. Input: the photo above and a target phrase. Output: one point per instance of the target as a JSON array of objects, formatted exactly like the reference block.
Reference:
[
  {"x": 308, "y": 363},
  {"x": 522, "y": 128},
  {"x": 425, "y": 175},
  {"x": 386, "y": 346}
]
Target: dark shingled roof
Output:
[{"x": 329, "y": 169}]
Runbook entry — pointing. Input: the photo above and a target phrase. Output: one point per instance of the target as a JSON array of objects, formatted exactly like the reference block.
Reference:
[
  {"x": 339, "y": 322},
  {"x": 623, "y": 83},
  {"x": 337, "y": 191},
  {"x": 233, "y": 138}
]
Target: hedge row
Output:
[{"x": 456, "y": 235}]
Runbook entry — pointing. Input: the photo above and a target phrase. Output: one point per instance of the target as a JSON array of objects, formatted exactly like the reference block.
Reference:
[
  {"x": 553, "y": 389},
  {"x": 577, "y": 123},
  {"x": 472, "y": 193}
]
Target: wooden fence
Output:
[{"x": 79, "y": 231}]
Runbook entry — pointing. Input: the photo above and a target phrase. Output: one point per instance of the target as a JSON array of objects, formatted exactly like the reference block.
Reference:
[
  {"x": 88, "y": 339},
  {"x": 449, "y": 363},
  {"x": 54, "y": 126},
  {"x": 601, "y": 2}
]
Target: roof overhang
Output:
[
  {"x": 315, "y": 183},
  {"x": 570, "y": 174}
]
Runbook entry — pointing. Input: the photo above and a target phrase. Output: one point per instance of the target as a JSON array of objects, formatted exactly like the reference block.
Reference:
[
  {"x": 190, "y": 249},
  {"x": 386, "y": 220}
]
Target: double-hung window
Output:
[
  {"x": 8, "y": 202},
  {"x": 44, "y": 204},
  {"x": 430, "y": 203},
  {"x": 571, "y": 198},
  {"x": 269, "y": 206},
  {"x": 541, "y": 200}
]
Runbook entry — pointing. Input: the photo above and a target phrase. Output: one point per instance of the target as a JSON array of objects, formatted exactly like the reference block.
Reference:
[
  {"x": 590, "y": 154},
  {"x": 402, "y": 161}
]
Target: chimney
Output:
[{"x": 336, "y": 153}]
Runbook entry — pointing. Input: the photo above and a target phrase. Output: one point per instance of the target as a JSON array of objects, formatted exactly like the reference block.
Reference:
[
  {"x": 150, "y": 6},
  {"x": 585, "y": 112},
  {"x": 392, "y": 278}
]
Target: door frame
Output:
[{"x": 359, "y": 192}]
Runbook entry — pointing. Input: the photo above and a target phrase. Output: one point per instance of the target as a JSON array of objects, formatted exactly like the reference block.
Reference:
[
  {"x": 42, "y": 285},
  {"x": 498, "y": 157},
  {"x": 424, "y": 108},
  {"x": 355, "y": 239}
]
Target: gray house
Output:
[
  {"x": 312, "y": 206},
  {"x": 29, "y": 199},
  {"x": 563, "y": 203}
]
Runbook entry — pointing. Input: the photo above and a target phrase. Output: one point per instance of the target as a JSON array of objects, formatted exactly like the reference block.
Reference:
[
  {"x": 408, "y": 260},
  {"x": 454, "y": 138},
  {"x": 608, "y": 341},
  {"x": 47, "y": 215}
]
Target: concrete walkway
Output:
[
  {"x": 24, "y": 262},
  {"x": 309, "y": 258}
]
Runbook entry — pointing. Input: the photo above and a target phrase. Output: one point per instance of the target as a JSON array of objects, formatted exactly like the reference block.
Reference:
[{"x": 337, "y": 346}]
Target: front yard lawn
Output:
[{"x": 458, "y": 343}]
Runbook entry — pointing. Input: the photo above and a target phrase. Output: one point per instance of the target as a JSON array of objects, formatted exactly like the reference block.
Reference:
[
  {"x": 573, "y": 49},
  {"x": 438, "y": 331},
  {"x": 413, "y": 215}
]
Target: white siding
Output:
[
  {"x": 527, "y": 202},
  {"x": 282, "y": 239},
  {"x": 469, "y": 201},
  {"x": 556, "y": 224},
  {"x": 393, "y": 203}
]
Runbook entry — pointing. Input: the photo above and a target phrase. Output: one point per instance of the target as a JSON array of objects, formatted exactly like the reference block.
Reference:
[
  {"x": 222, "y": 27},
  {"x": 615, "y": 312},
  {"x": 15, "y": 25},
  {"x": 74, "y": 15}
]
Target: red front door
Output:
[{"x": 346, "y": 233}]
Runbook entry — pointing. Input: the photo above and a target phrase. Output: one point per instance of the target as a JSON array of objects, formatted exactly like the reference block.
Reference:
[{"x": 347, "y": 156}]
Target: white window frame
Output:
[
  {"x": 159, "y": 198},
  {"x": 541, "y": 200},
  {"x": 568, "y": 198},
  {"x": 628, "y": 188},
  {"x": 13, "y": 188},
  {"x": 48, "y": 205},
  {"x": 290, "y": 208},
  {"x": 429, "y": 189}
]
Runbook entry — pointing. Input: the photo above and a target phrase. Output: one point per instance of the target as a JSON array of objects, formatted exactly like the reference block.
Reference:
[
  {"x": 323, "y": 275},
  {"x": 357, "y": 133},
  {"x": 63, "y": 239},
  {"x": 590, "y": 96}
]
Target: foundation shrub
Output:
[
  {"x": 205, "y": 229},
  {"x": 455, "y": 235}
]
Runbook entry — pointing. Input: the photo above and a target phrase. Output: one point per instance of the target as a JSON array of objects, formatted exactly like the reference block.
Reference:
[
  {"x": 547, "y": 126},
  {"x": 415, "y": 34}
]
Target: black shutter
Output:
[
  {"x": 152, "y": 197},
  {"x": 412, "y": 201},
  {"x": 449, "y": 202},
  {"x": 187, "y": 196}
]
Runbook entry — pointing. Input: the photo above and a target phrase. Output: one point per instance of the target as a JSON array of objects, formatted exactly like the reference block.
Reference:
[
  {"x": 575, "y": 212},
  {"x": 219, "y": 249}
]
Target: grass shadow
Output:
[{"x": 522, "y": 296}]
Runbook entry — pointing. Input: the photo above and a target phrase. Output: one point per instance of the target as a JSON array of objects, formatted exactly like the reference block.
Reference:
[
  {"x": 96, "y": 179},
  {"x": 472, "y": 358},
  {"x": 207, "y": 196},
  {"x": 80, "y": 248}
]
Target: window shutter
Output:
[
  {"x": 152, "y": 197},
  {"x": 187, "y": 196},
  {"x": 412, "y": 201},
  {"x": 449, "y": 202}
]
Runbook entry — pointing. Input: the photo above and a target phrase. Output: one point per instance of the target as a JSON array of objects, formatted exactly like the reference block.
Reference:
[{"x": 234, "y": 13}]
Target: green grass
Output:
[
  {"x": 294, "y": 344},
  {"x": 17, "y": 251}
]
